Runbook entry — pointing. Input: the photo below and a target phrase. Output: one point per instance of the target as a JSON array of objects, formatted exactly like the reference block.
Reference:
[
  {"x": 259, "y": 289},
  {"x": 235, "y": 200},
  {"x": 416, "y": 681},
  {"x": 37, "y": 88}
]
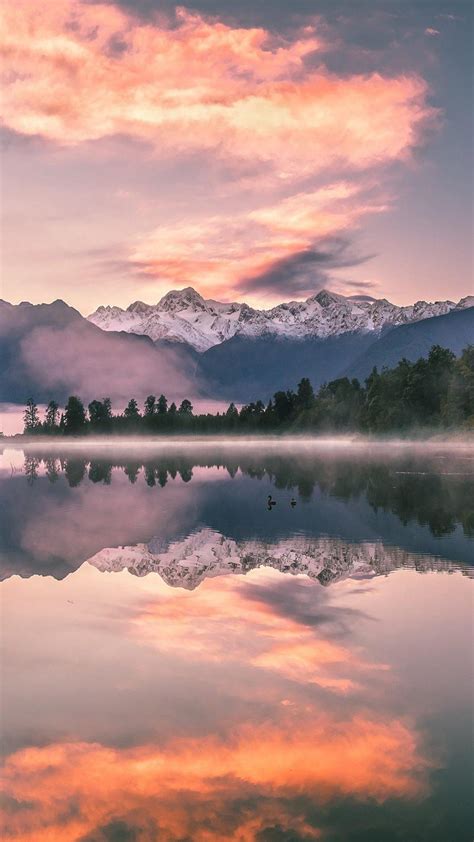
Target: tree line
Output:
[{"x": 436, "y": 392}]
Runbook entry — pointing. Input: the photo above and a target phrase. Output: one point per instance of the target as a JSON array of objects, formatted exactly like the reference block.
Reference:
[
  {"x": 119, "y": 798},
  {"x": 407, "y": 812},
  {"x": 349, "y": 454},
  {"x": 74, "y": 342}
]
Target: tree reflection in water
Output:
[{"x": 407, "y": 488}]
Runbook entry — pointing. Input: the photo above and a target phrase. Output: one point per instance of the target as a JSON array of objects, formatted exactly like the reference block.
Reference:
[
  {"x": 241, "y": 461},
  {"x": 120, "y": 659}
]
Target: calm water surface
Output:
[{"x": 182, "y": 663}]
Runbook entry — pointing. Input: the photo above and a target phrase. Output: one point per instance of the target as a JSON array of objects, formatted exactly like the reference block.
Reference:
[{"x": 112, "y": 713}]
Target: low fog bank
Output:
[
  {"x": 433, "y": 442},
  {"x": 49, "y": 351}
]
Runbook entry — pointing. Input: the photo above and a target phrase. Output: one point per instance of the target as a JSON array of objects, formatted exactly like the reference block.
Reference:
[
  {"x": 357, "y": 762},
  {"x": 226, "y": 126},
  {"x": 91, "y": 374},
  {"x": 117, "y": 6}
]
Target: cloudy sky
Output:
[{"x": 253, "y": 150}]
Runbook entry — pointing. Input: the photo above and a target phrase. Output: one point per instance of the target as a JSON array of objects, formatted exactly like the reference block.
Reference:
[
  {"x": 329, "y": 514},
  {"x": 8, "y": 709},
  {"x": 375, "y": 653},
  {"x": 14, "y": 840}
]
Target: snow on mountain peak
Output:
[
  {"x": 466, "y": 302},
  {"x": 178, "y": 299},
  {"x": 326, "y": 298},
  {"x": 138, "y": 307},
  {"x": 185, "y": 316}
]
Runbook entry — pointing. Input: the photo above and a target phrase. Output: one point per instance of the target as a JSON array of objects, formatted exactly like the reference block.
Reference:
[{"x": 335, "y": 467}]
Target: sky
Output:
[{"x": 256, "y": 151}]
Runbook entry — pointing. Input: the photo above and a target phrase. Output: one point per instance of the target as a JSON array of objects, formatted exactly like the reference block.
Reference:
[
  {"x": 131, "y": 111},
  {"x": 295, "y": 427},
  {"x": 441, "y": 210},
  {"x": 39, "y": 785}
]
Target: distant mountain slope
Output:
[
  {"x": 454, "y": 330},
  {"x": 245, "y": 369},
  {"x": 50, "y": 351},
  {"x": 185, "y": 316}
]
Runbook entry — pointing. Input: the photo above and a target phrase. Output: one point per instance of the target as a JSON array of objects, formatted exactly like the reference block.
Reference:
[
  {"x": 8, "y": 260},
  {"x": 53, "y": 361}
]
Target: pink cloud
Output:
[
  {"x": 75, "y": 72},
  {"x": 216, "y": 253},
  {"x": 258, "y": 104},
  {"x": 198, "y": 624}
]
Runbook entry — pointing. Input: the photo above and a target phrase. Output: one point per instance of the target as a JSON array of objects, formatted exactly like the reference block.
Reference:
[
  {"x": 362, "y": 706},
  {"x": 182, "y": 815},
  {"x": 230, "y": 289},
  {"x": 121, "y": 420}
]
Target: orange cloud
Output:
[
  {"x": 190, "y": 788},
  {"x": 216, "y": 253},
  {"x": 219, "y": 622},
  {"x": 75, "y": 72}
]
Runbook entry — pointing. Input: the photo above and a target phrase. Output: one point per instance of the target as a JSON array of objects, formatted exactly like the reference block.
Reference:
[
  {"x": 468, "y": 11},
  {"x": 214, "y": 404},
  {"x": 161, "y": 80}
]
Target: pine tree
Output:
[
  {"x": 131, "y": 410},
  {"x": 304, "y": 395},
  {"x": 150, "y": 405},
  {"x": 108, "y": 417},
  {"x": 162, "y": 405},
  {"x": 95, "y": 414},
  {"x": 31, "y": 417},
  {"x": 74, "y": 416},
  {"x": 232, "y": 416},
  {"x": 51, "y": 416},
  {"x": 186, "y": 408}
]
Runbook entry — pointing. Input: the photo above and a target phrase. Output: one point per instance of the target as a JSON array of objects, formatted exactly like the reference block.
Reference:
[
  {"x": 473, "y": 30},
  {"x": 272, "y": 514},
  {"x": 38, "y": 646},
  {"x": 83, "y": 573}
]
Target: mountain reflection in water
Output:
[{"x": 266, "y": 707}]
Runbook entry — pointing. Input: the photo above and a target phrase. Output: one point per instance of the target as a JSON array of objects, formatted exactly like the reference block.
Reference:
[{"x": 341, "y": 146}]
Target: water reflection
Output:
[
  {"x": 61, "y": 509},
  {"x": 211, "y": 788},
  {"x": 206, "y": 553},
  {"x": 309, "y": 697},
  {"x": 434, "y": 494},
  {"x": 256, "y": 708}
]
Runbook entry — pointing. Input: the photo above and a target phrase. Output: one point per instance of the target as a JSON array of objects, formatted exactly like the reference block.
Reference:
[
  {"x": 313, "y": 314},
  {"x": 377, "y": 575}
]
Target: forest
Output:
[{"x": 434, "y": 393}]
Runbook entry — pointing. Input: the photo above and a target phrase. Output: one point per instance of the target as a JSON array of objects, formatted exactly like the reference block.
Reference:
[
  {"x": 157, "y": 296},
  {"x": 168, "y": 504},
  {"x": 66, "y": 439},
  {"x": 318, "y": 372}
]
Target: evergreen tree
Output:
[
  {"x": 74, "y": 416},
  {"x": 150, "y": 405},
  {"x": 108, "y": 417},
  {"x": 51, "y": 416},
  {"x": 304, "y": 395},
  {"x": 131, "y": 417},
  {"x": 162, "y": 405},
  {"x": 458, "y": 408},
  {"x": 268, "y": 417},
  {"x": 232, "y": 416},
  {"x": 283, "y": 403},
  {"x": 95, "y": 414},
  {"x": 373, "y": 409},
  {"x": 100, "y": 415},
  {"x": 31, "y": 418},
  {"x": 186, "y": 408},
  {"x": 131, "y": 410}
]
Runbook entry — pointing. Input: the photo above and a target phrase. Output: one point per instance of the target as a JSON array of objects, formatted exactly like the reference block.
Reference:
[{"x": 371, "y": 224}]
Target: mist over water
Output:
[{"x": 208, "y": 666}]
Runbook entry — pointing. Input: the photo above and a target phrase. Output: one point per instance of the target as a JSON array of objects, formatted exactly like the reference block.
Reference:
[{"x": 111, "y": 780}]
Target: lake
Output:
[{"x": 184, "y": 662}]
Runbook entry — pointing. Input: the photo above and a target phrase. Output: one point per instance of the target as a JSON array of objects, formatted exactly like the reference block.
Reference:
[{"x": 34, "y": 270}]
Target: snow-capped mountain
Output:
[
  {"x": 185, "y": 316},
  {"x": 207, "y": 553}
]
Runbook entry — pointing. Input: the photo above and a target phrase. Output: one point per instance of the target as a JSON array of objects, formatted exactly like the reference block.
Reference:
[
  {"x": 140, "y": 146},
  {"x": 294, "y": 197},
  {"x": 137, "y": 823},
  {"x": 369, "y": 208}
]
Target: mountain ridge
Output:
[
  {"x": 185, "y": 316},
  {"x": 51, "y": 351}
]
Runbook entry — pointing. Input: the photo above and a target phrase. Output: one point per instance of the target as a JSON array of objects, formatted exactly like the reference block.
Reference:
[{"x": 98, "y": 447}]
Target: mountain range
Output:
[
  {"x": 188, "y": 346},
  {"x": 185, "y": 316}
]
